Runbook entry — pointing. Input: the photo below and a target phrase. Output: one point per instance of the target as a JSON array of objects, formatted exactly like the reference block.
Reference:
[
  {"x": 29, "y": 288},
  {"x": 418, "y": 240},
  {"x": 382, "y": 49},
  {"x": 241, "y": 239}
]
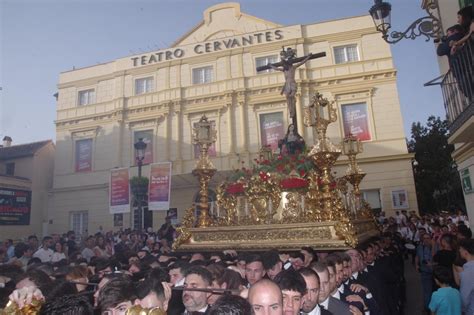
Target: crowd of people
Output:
[{"x": 128, "y": 272}]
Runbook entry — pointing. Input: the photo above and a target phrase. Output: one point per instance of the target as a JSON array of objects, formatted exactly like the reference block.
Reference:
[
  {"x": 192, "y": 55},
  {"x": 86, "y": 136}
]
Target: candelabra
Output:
[
  {"x": 204, "y": 135},
  {"x": 351, "y": 146},
  {"x": 324, "y": 154}
]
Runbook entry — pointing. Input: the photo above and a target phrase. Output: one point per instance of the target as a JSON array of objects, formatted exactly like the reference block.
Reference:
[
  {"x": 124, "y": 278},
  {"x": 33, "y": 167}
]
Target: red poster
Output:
[
  {"x": 356, "y": 121},
  {"x": 271, "y": 126},
  {"x": 83, "y": 155},
  {"x": 147, "y": 136},
  {"x": 159, "y": 186},
  {"x": 119, "y": 191}
]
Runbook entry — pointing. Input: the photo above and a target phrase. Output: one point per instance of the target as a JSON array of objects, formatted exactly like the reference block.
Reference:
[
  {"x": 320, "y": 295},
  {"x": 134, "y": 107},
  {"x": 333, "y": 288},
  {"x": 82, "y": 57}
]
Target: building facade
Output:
[
  {"x": 458, "y": 96},
  {"x": 26, "y": 177},
  {"x": 159, "y": 96}
]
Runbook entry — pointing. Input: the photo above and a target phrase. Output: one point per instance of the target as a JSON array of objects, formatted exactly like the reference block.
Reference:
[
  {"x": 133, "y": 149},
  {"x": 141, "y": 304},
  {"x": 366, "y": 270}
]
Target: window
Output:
[
  {"x": 10, "y": 169},
  {"x": 202, "y": 75},
  {"x": 345, "y": 54},
  {"x": 86, "y": 97},
  {"x": 144, "y": 85},
  {"x": 83, "y": 155},
  {"x": 79, "y": 222},
  {"x": 372, "y": 197},
  {"x": 271, "y": 129},
  {"x": 263, "y": 61},
  {"x": 355, "y": 120}
]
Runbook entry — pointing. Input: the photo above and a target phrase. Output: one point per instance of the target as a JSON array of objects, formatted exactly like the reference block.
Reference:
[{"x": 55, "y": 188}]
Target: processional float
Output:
[{"x": 287, "y": 200}]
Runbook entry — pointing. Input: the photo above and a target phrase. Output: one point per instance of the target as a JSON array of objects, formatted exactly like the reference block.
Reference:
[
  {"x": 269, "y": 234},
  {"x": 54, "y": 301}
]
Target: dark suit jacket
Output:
[{"x": 338, "y": 307}]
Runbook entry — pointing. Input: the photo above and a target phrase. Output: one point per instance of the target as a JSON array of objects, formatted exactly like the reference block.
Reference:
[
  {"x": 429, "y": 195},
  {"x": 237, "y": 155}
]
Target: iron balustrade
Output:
[{"x": 458, "y": 86}]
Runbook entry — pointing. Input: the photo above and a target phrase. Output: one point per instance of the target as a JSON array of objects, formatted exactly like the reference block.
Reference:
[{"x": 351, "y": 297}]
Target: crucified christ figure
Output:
[{"x": 288, "y": 66}]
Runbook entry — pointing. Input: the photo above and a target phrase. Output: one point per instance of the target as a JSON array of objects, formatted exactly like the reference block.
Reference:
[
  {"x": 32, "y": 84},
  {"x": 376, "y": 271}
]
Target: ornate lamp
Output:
[
  {"x": 266, "y": 153},
  {"x": 428, "y": 26},
  {"x": 204, "y": 135},
  {"x": 351, "y": 146},
  {"x": 140, "y": 147}
]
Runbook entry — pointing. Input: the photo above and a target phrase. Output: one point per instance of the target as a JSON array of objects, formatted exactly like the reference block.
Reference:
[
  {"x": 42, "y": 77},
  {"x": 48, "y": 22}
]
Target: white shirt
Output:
[
  {"x": 57, "y": 257},
  {"x": 45, "y": 255},
  {"x": 315, "y": 311},
  {"x": 337, "y": 295},
  {"x": 87, "y": 253},
  {"x": 325, "y": 303}
]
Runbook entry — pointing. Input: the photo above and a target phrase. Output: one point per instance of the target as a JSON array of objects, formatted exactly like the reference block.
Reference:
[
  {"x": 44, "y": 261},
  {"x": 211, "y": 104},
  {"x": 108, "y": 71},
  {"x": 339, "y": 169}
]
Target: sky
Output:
[{"x": 41, "y": 38}]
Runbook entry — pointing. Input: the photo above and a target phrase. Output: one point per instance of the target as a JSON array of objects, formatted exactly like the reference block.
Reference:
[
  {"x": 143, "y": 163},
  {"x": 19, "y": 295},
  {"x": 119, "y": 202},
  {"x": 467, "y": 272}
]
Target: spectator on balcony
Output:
[{"x": 453, "y": 34}]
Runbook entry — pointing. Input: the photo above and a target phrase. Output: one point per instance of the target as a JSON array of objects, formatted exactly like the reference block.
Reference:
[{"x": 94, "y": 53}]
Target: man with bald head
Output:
[{"x": 266, "y": 298}]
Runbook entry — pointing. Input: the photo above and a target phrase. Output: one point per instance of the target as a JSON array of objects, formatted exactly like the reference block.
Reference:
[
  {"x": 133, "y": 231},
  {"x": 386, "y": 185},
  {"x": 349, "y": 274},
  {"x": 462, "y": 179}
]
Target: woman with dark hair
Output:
[{"x": 58, "y": 254}]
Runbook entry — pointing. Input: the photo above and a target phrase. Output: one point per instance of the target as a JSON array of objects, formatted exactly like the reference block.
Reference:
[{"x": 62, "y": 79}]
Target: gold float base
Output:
[{"x": 327, "y": 235}]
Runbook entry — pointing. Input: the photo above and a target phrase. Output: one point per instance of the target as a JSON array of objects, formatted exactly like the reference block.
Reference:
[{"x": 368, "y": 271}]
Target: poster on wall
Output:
[
  {"x": 118, "y": 219},
  {"x": 119, "y": 191},
  {"x": 356, "y": 121},
  {"x": 147, "y": 136},
  {"x": 212, "y": 149},
  {"x": 172, "y": 213},
  {"x": 466, "y": 181},
  {"x": 271, "y": 129},
  {"x": 15, "y": 206},
  {"x": 83, "y": 155},
  {"x": 159, "y": 189},
  {"x": 399, "y": 199}
]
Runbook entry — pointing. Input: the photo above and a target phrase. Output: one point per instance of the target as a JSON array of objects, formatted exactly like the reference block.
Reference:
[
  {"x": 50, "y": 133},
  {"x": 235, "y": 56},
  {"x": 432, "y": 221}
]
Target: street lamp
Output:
[
  {"x": 428, "y": 26},
  {"x": 140, "y": 147}
]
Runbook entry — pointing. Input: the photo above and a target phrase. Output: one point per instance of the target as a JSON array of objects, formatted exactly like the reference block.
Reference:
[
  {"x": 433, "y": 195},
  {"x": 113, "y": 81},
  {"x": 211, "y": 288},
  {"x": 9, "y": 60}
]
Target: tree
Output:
[{"x": 437, "y": 182}]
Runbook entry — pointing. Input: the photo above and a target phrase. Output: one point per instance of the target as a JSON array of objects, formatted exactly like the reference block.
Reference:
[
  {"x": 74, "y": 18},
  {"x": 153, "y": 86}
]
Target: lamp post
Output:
[
  {"x": 140, "y": 147},
  {"x": 428, "y": 26},
  {"x": 204, "y": 135}
]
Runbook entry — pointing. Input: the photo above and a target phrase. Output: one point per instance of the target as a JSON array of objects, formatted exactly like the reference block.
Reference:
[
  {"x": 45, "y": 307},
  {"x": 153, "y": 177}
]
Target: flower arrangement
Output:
[{"x": 289, "y": 170}]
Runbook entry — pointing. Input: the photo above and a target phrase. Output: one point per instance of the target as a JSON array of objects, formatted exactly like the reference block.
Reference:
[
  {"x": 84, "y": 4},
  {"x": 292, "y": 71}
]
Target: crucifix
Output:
[{"x": 288, "y": 64}]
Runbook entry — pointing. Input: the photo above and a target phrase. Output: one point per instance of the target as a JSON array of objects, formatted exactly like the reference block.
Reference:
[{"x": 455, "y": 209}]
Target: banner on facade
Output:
[
  {"x": 15, "y": 206},
  {"x": 147, "y": 136},
  {"x": 356, "y": 121},
  {"x": 159, "y": 189},
  {"x": 119, "y": 191},
  {"x": 272, "y": 130},
  {"x": 83, "y": 155}
]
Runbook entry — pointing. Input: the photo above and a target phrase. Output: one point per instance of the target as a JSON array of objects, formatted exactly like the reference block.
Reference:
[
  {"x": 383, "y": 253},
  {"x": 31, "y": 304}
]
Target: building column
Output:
[
  {"x": 230, "y": 129},
  {"x": 299, "y": 114},
  {"x": 243, "y": 125}
]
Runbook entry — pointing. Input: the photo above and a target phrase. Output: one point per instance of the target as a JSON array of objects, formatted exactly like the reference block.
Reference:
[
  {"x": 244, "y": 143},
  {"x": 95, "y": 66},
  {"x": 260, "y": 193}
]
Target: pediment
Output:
[{"x": 224, "y": 20}]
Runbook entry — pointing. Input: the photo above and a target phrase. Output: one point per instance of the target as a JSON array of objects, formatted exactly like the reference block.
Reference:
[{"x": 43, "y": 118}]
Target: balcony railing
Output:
[{"x": 458, "y": 87}]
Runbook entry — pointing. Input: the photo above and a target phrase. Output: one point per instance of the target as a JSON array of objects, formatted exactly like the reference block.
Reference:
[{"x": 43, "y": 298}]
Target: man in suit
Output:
[
  {"x": 196, "y": 277},
  {"x": 293, "y": 287},
  {"x": 326, "y": 301},
  {"x": 311, "y": 298},
  {"x": 265, "y": 298}
]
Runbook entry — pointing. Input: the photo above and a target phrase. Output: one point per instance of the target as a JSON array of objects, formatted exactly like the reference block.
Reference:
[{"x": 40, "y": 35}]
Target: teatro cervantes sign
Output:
[{"x": 208, "y": 47}]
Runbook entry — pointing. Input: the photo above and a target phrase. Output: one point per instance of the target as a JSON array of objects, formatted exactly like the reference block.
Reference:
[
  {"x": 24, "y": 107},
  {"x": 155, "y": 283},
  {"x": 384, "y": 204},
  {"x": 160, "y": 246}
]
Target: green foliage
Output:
[
  {"x": 139, "y": 185},
  {"x": 436, "y": 177}
]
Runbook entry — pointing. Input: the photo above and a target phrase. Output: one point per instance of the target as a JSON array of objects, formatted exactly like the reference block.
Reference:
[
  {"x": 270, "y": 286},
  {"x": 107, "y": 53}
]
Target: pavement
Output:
[{"x": 414, "y": 295}]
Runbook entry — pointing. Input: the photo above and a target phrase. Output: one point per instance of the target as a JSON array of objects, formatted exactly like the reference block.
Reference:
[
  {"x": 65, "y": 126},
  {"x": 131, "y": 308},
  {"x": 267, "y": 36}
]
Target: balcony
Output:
[{"x": 458, "y": 94}]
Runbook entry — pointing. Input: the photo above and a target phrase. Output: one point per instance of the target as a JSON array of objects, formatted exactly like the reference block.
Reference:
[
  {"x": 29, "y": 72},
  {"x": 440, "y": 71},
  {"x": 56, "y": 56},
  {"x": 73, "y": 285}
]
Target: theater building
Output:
[{"x": 159, "y": 96}]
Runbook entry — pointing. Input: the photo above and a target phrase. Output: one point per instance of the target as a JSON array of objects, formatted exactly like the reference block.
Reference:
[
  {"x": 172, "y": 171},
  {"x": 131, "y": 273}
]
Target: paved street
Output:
[{"x": 414, "y": 304}]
